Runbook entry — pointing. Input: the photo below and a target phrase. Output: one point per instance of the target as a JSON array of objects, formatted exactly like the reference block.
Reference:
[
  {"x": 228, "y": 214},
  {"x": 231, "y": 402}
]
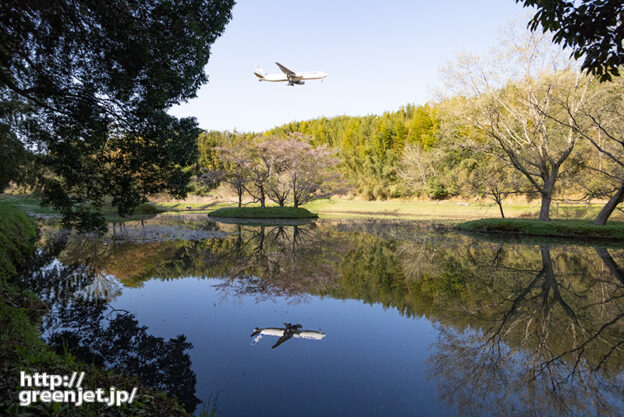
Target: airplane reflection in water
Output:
[{"x": 285, "y": 333}]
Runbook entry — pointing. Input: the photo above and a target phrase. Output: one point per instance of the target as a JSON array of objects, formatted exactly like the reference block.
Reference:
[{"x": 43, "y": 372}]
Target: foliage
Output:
[
  {"x": 13, "y": 156},
  {"x": 86, "y": 87},
  {"x": 591, "y": 28},
  {"x": 370, "y": 146}
]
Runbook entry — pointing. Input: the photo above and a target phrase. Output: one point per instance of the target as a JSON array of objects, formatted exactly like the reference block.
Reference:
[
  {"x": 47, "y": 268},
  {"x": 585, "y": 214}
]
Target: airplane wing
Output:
[
  {"x": 282, "y": 340},
  {"x": 284, "y": 69}
]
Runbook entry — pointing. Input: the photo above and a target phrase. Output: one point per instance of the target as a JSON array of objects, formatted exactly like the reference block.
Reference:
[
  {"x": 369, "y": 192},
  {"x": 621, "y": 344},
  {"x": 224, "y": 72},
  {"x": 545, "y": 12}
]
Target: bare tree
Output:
[
  {"x": 601, "y": 123},
  {"x": 277, "y": 168},
  {"x": 280, "y": 156},
  {"x": 262, "y": 164},
  {"x": 511, "y": 98},
  {"x": 234, "y": 160},
  {"x": 495, "y": 178},
  {"x": 310, "y": 168},
  {"x": 416, "y": 166}
]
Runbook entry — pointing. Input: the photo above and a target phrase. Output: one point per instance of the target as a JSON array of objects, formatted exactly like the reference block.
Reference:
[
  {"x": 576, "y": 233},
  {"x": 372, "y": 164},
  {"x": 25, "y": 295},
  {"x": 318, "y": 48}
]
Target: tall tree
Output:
[
  {"x": 601, "y": 123},
  {"x": 89, "y": 84},
  {"x": 512, "y": 99},
  {"x": 310, "y": 168},
  {"x": 278, "y": 186},
  {"x": 231, "y": 166},
  {"x": 262, "y": 165}
]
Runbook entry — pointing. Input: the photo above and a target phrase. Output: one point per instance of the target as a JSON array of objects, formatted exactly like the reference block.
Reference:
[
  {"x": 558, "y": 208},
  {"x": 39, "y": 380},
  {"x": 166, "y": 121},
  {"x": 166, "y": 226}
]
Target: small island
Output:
[
  {"x": 263, "y": 213},
  {"x": 575, "y": 229}
]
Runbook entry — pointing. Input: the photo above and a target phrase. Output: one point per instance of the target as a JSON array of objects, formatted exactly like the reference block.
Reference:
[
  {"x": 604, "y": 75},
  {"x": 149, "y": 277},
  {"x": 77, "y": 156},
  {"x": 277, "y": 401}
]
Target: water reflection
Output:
[
  {"x": 548, "y": 332},
  {"x": 80, "y": 321},
  {"x": 522, "y": 329},
  {"x": 286, "y": 333}
]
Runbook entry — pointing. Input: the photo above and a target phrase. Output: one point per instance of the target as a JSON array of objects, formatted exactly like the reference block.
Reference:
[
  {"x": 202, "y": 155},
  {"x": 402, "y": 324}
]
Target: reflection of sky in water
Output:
[{"x": 372, "y": 361}]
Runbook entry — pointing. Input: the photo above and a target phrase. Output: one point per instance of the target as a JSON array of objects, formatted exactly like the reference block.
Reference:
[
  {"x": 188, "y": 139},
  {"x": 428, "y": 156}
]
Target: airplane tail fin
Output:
[{"x": 260, "y": 72}]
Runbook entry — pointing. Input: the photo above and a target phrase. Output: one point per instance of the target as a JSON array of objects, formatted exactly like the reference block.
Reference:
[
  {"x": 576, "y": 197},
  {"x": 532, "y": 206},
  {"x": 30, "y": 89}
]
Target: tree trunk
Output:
[
  {"x": 547, "y": 193},
  {"x": 608, "y": 208},
  {"x": 262, "y": 197},
  {"x": 498, "y": 198},
  {"x": 500, "y": 207},
  {"x": 610, "y": 263},
  {"x": 545, "y": 208},
  {"x": 240, "y": 197},
  {"x": 295, "y": 202}
]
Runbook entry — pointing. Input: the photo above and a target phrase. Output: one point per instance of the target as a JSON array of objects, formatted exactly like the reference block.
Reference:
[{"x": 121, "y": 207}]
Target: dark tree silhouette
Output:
[{"x": 86, "y": 86}]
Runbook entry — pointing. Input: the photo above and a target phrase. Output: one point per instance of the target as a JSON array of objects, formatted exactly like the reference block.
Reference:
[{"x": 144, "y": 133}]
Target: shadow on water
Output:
[
  {"x": 523, "y": 328},
  {"x": 81, "y": 322}
]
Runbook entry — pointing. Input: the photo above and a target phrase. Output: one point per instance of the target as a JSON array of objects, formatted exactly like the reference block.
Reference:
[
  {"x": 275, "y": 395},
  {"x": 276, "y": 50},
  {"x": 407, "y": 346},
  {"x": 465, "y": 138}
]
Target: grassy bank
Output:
[
  {"x": 263, "y": 213},
  {"x": 576, "y": 229},
  {"x": 22, "y": 349},
  {"x": 446, "y": 210},
  {"x": 18, "y": 232}
]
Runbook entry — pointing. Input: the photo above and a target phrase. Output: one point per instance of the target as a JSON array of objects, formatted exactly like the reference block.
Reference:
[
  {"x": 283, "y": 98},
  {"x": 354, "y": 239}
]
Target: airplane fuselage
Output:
[
  {"x": 298, "y": 76},
  {"x": 301, "y": 334},
  {"x": 289, "y": 76}
]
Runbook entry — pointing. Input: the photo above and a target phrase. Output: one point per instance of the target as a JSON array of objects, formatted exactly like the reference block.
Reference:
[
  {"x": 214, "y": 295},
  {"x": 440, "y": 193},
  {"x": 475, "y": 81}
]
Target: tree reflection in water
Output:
[
  {"x": 553, "y": 347},
  {"x": 80, "y": 321}
]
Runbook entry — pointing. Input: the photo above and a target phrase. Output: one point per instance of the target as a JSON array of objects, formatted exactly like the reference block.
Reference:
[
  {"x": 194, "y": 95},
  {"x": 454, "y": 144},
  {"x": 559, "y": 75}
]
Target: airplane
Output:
[
  {"x": 290, "y": 76},
  {"x": 286, "y": 333}
]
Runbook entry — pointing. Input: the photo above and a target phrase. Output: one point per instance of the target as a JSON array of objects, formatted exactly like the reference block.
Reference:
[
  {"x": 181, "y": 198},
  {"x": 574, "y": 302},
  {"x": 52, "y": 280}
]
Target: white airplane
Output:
[
  {"x": 286, "y": 333},
  {"x": 288, "y": 75}
]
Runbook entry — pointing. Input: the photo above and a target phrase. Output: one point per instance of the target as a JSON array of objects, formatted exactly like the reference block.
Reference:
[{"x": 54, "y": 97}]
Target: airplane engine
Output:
[{"x": 299, "y": 82}]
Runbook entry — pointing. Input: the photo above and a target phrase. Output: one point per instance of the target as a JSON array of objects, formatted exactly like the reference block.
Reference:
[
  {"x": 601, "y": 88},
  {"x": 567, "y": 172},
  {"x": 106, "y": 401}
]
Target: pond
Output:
[{"x": 342, "y": 318}]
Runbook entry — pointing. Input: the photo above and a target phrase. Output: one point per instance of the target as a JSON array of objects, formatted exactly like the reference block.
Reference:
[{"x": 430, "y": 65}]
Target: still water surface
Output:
[{"x": 348, "y": 318}]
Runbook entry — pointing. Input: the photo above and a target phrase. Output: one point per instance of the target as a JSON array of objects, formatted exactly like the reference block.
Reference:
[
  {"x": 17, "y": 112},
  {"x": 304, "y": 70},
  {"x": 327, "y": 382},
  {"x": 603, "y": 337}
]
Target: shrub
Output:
[
  {"x": 147, "y": 208},
  {"x": 367, "y": 193},
  {"x": 435, "y": 189},
  {"x": 379, "y": 192}
]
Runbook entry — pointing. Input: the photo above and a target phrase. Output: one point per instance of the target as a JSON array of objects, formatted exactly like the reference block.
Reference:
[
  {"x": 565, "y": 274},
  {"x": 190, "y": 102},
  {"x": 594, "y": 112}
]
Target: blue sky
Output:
[{"x": 379, "y": 56}]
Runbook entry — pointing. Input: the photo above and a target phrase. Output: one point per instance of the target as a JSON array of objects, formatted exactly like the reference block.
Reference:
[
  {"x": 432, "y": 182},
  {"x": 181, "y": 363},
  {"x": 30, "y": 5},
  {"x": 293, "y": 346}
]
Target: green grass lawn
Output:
[
  {"x": 263, "y": 213},
  {"x": 578, "y": 229},
  {"x": 27, "y": 204},
  {"x": 451, "y": 211}
]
